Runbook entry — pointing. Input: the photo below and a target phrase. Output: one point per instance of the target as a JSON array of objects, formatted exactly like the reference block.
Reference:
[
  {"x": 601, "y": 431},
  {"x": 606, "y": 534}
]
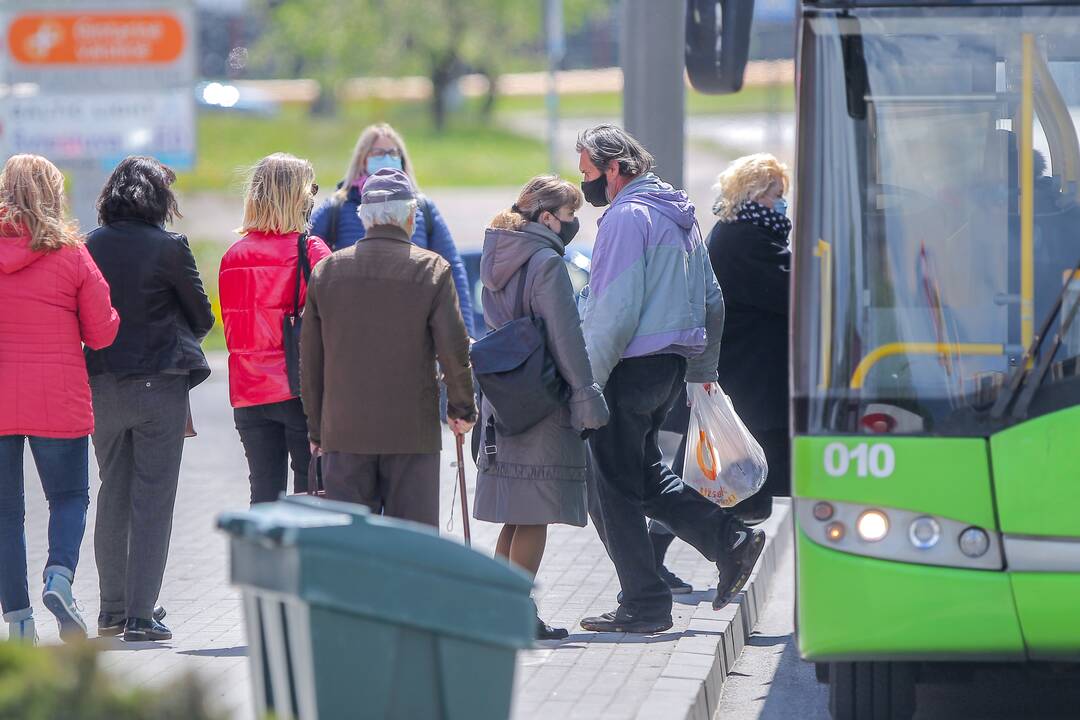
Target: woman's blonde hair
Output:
[
  {"x": 543, "y": 192},
  {"x": 279, "y": 198},
  {"x": 370, "y": 135},
  {"x": 32, "y": 200},
  {"x": 746, "y": 179}
]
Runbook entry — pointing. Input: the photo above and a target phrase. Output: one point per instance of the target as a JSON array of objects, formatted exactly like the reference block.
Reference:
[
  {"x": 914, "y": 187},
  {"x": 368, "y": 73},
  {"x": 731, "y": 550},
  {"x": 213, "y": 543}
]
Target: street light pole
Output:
[
  {"x": 556, "y": 48},
  {"x": 652, "y": 54}
]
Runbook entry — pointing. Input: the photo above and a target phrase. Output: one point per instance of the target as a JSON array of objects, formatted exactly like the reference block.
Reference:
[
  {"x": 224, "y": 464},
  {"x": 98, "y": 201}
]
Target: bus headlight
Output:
[
  {"x": 924, "y": 532},
  {"x": 834, "y": 532},
  {"x": 974, "y": 542},
  {"x": 872, "y": 525},
  {"x": 907, "y": 536}
]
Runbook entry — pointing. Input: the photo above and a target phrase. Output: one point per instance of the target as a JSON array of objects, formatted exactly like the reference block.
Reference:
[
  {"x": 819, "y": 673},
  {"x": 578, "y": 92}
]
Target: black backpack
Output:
[
  {"x": 516, "y": 373},
  {"x": 337, "y": 200}
]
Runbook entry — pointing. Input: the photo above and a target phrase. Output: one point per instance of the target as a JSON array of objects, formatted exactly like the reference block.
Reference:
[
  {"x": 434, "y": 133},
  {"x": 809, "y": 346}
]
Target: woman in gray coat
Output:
[{"x": 537, "y": 477}]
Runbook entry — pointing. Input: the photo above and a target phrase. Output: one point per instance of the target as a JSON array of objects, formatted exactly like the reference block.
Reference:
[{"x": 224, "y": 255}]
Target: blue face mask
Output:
[
  {"x": 780, "y": 206},
  {"x": 376, "y": 163}
]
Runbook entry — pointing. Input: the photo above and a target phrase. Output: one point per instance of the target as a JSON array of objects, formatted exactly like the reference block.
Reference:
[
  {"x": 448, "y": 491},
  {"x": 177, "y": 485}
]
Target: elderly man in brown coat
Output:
[{"x": 378, "y": 316}]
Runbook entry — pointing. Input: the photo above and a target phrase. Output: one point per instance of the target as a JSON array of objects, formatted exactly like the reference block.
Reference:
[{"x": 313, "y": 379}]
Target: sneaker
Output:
[
  {"x": 23, "y": 631},
  {"x": 112, "y": 624},
  {"x": 140, "y": 630},
  {"x": 737, "y": 561},
  {"x": 546, "y": 632},
  {"x": 676, "y": 584},
  {"x": 624, "y": 621},
  {"x": 59, "y": 601}
]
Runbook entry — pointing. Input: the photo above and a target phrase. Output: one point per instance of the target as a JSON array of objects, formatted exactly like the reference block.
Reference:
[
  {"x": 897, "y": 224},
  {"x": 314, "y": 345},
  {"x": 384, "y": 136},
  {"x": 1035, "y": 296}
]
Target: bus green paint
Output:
[
  {"x": 1046, "y": 603},
  {"x": 1037, "y": 476},
  {"x": 949, "y": 477},
  {"x": 852, "y": 607}
]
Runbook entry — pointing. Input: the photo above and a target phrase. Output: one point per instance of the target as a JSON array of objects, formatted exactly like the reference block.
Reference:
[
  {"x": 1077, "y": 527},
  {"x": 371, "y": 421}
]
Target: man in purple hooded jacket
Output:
[{"x": 653, "y": 317}]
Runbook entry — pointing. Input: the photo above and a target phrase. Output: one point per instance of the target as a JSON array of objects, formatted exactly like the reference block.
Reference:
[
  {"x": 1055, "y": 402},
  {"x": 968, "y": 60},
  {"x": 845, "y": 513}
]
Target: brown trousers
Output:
[{"x": 400, "y": 486}]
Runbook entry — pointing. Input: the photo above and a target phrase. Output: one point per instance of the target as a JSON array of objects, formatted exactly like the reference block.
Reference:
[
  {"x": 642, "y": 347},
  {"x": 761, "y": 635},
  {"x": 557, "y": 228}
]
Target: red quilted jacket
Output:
[
  {"x": 257, "y": 282},
  {"x": 50, "y": 304}
]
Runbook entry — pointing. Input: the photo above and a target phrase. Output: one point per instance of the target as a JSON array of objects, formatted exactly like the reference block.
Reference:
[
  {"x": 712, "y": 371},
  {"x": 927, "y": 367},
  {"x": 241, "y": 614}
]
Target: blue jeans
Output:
[{"x": 63, "y": 467}]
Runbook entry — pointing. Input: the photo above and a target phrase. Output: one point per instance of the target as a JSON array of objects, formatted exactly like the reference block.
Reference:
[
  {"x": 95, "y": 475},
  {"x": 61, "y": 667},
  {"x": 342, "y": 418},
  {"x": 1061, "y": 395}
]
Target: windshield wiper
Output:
[{"x": 1030, "y": 381}]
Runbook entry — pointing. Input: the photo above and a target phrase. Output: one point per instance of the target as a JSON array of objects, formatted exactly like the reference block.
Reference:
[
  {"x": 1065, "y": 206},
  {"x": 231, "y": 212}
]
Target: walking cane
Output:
[{"x": 461, "y": 487}]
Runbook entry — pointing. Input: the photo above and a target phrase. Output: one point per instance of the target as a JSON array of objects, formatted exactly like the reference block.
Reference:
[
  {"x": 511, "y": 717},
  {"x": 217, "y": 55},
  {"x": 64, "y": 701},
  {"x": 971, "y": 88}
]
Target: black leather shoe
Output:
[
  {"x": 112, "y": 624},
  {"x": 546, "y": 632},
  {"x": 624, "y": 621},
  {"x": 736, "y": 561},
  {"x": 140, "y": 630}
]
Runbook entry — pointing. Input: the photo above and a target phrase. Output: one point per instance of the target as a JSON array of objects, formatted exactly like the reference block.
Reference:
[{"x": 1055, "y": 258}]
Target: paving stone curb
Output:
[{"x": 689, "y": 687}]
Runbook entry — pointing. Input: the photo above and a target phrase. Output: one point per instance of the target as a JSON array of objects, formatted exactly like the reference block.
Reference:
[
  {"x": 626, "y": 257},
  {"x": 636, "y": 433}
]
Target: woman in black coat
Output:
[
  {"x": 752, "y": 260},
  {"x": 140, "y": 388}
]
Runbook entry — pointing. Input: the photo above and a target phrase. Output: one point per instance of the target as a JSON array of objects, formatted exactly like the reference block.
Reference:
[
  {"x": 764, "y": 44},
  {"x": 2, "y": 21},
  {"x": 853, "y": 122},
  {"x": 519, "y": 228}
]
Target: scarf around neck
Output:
[{"x": 757, "y": 214}]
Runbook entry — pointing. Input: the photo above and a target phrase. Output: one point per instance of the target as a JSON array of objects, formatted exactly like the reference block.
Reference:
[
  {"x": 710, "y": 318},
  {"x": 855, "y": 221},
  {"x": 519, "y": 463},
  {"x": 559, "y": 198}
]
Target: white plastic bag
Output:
[{"x": 723, "y": 460}]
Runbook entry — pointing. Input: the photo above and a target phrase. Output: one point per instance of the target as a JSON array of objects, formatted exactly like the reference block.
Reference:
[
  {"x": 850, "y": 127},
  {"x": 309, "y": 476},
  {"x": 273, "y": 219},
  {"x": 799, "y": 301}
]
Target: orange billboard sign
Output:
[{"x": 61, "y": 38}]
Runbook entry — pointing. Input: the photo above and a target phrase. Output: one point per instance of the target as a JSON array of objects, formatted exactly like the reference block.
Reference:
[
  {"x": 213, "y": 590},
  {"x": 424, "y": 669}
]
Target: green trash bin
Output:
[{"x": 353, "y": 615}]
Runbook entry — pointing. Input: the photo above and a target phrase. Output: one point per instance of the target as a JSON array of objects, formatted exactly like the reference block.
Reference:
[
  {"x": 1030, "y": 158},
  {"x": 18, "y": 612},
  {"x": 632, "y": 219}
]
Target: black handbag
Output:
[
  {"x": 516, "y": 372},
  {"x": 290, "y": 323}
]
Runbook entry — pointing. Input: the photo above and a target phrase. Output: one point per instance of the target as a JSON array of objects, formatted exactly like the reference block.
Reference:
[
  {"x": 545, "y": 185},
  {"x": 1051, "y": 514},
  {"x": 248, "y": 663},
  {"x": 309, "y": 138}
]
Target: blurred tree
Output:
[
  {"x": 442, "y": 39},
  {"x": 328, "y": 42}
]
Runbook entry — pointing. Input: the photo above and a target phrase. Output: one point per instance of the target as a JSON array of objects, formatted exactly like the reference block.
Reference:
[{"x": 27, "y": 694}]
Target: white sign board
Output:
[{"x": 94, "y": 81}]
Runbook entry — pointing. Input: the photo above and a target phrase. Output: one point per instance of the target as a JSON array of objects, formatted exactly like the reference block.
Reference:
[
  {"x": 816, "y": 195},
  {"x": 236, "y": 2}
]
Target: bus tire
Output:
[
  {"x": 871, "y": 691},
  {"x": 821, "y": 670}
]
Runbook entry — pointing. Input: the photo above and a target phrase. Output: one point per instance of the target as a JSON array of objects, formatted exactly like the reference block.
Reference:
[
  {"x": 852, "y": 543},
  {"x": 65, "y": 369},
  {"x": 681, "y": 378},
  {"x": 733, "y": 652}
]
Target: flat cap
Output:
[{"x": 385, "y": 185}]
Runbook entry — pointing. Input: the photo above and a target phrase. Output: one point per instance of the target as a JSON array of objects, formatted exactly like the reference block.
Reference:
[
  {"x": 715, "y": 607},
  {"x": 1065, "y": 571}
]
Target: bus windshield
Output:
[{"x": 939, "y": 215}]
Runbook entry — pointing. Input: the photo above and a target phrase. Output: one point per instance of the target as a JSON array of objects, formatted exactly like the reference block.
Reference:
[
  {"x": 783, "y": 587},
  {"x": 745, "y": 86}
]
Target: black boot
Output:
[{"x": 110, "y": 624}]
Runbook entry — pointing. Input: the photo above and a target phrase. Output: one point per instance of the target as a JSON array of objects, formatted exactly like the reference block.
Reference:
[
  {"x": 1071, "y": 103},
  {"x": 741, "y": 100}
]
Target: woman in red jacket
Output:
[
  {"x": 54, "y": 300},
  {"x": 258, "y": 286}
]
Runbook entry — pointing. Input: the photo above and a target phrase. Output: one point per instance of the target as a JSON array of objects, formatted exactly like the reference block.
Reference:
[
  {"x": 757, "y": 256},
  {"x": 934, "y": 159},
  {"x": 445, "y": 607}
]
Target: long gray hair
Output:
[{"x": 605, "y": 143}]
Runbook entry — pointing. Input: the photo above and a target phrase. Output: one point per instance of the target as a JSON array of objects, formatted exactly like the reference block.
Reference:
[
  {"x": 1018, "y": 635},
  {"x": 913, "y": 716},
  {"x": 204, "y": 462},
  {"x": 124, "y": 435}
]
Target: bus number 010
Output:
[{"x": 877, "y": 460}]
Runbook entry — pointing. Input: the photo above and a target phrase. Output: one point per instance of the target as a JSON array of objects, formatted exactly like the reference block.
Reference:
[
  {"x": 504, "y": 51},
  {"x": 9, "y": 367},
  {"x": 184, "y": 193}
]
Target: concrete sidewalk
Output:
[{"x": 589, "y": 675}]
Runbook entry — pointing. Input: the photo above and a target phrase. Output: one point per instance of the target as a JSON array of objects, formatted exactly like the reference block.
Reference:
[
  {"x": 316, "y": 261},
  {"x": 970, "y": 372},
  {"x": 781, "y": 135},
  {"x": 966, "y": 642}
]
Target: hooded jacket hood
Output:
[
  {"x": 652, "y": 191},
  {"x": 15, "y": 253},
  {"x": 505, "y": 251}
]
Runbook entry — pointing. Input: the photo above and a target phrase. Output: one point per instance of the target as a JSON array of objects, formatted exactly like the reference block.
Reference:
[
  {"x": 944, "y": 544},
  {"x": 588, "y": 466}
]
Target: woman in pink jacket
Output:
[{"x": 53, "y": 300}]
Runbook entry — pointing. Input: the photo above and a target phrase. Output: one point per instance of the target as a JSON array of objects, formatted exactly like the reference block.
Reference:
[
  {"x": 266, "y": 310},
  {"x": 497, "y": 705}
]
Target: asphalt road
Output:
[{"x": 770, "y": 682}]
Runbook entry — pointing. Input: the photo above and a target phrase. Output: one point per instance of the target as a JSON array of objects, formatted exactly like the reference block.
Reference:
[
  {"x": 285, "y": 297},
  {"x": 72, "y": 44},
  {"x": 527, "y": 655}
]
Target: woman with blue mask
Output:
[{"x": 337, "y": 222}]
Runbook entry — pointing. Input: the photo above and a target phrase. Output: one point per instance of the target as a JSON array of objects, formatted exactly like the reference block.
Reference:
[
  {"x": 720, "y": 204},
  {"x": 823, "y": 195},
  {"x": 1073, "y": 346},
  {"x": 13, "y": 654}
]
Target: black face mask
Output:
[
  {"x": 569, "y": 230},
  {"x": 594, "y": 191}
]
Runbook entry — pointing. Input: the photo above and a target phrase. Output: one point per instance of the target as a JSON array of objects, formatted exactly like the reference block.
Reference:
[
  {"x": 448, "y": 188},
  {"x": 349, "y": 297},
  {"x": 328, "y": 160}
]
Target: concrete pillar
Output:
[{"x": 651, "y": 50}]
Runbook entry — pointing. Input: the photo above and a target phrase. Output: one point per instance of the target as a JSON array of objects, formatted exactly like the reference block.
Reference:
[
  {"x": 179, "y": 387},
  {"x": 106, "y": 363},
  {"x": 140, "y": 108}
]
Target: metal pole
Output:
[
  {"x": 651, "y": 49},
  {"x": 556, "y": 48},
  {"x": 87, "y": 179}
]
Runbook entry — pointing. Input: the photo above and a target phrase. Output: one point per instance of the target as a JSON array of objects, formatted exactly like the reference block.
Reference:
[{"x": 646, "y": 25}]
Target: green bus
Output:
[{"x": 935, "y": 346}]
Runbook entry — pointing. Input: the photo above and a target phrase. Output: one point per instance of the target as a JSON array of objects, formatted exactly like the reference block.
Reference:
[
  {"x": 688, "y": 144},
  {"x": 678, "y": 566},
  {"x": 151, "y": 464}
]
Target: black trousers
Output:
[
  {"x": 272, "y": 435},
  {"x": 632, "y": 482},
  {"x": 138, "y": 440}
]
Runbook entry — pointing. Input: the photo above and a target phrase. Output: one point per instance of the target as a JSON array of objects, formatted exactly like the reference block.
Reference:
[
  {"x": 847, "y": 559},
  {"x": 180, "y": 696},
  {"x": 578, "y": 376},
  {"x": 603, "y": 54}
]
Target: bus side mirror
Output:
[{"x": 717, "y": 43}]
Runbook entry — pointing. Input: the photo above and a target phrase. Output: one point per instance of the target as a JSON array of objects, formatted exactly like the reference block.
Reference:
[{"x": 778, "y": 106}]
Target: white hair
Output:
[{"x": 392, "y": 212}]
